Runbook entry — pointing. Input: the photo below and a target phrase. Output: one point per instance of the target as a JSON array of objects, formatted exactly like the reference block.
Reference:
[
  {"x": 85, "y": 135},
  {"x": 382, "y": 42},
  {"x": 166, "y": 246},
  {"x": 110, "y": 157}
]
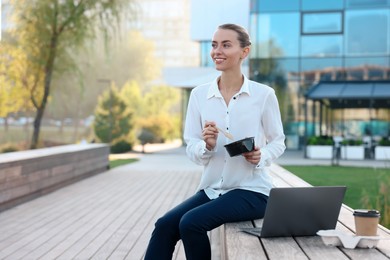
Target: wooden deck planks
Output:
[
  {"x": 108, "y": 216},
  {"x": 60, "y": 227},
  {"x": 92, "y": 235},
  {"x": 140, "y": 210},
  {"x": 280, "y": 247}
]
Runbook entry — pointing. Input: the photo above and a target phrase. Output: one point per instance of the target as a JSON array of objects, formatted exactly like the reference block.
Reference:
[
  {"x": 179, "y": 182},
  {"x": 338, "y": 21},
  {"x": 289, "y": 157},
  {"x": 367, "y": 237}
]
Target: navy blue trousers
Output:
[{"x": 190, "y": 221}]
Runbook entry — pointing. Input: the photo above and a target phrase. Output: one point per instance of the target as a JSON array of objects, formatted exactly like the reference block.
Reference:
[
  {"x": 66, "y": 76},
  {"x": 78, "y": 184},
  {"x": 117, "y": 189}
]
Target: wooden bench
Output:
[
  {"x": 239, "y": 245},
  {"x": 28, "y": 174}
]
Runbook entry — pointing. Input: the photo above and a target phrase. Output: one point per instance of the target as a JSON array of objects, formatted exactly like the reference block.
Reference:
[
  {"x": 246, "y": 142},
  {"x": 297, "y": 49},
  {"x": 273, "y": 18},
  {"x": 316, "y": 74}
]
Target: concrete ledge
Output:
[{"x": 28, "y": 174}]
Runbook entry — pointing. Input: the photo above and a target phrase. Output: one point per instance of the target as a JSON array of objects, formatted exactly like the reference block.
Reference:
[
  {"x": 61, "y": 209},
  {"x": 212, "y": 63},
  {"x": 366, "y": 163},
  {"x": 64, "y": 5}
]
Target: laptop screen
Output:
[{"x": 302, "y": 211}]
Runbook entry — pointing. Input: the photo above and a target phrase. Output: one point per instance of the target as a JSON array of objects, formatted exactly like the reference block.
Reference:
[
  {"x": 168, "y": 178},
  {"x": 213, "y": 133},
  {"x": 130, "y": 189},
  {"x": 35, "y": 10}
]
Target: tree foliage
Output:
[
  {"x": 155, "y": 116},
  {"x": 46, "y": 32},
  {"x": 13, "y": 79},
  {"x": 161, "y": 114},
  {"x": 126, "y": 60},
  {"x": 113, "y": 119}
]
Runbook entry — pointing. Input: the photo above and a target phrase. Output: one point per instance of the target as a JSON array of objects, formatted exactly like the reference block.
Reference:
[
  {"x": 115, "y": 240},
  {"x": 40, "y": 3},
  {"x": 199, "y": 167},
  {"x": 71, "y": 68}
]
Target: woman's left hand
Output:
[{"x": 254, "y": 156}]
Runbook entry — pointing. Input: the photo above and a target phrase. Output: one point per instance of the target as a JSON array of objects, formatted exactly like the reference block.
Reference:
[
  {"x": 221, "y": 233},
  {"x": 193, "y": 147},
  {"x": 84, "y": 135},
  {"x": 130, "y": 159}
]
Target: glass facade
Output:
[
  {"x": 297, "y": 43},
  {"x": 322, "y": 22},
  {"x": 205, "y": 58}
]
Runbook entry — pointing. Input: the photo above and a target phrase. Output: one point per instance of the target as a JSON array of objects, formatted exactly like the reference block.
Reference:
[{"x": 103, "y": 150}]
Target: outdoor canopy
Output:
[
  {"x": 351, "y": 94},
  {"x": 344, "y": 95}
]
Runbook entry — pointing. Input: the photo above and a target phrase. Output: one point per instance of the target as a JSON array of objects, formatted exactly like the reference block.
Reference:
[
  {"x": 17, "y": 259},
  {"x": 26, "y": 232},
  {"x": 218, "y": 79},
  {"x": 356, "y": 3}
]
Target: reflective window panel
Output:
[
  {"x": 205, "y": 58},
  {"x": 274, "y": 40},
  {"x": 321, "y": 46},
  {"x": 366, "y": 3},
  {"x": 367, "y": 32},
  {"x": 322, "y": 22},
  {"x": 278, "y": 70},
  {"x": 368, "y": 68},
  {"x": 274, "y": 5},
  {"x": 311, "y": 5},
  {"x": 315, "y": 69}
]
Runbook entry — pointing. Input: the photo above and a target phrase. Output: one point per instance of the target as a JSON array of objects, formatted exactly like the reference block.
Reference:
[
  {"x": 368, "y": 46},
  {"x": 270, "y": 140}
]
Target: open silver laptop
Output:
[{"x": 300, "y": 211}]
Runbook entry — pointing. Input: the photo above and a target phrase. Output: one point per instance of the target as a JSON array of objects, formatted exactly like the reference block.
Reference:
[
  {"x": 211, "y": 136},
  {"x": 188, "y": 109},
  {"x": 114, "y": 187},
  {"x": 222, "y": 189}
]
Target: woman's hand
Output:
[
  {"x": 254, "y": 156},
  {"x": 210, "y": 134}
]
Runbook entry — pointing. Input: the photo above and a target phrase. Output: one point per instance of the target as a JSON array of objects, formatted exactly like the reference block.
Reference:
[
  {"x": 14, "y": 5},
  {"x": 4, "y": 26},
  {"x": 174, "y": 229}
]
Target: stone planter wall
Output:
[
  {"x": 28, "y": 174},
  {"x": 319, "y": 151},
  {"x": 352, "y": 152},
  {"x": 382, "y": 153}
]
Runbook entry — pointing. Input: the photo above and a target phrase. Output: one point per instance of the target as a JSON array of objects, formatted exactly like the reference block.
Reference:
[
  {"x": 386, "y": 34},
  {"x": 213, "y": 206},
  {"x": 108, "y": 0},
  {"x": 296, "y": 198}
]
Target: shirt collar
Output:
[{"x": 214, "y": 91}]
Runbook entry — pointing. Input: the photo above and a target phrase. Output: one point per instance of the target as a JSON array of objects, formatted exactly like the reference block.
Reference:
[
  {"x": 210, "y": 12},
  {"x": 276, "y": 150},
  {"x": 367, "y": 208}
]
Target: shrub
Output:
[
  {"x": 147, "y": 136},
  {"x": 385, "y": 141},
  {"x": 8, "y": 148},
  {"x": 121, "y": 147},
  {"x": 320, "y": 140},
  {"x": 113, "y": 120},
  {"x": 352, "y": 142}
]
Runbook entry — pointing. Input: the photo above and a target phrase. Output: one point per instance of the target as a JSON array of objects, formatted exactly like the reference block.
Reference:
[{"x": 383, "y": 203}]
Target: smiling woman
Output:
[{"x": 231, "y": 188}]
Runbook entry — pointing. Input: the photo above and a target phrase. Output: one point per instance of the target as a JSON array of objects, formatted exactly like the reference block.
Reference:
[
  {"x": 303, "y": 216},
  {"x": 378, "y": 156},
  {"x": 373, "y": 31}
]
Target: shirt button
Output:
[{"x": 234, "y": 97}]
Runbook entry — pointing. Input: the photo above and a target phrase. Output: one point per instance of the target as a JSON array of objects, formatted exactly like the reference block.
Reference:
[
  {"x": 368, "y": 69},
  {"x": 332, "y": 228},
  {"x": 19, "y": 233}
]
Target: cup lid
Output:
[{"x": 366, "y": 213}]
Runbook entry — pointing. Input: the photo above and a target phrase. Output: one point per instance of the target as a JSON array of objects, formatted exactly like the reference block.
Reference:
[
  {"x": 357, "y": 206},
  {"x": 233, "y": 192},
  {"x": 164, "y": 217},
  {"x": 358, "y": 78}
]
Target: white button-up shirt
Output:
[{"x": 253, "y": 111}]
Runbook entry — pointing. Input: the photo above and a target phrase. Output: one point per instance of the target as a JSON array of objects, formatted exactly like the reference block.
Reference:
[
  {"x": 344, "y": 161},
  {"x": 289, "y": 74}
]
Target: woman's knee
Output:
[
  {"x": 166, "y": 225},
  {"x": 191, "y": 222},
  {"x": 186, "y": 223}
]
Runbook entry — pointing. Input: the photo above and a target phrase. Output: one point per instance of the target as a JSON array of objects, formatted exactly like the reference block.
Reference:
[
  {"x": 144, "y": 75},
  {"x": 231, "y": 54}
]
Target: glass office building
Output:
[{"x": 297, "y": 43}]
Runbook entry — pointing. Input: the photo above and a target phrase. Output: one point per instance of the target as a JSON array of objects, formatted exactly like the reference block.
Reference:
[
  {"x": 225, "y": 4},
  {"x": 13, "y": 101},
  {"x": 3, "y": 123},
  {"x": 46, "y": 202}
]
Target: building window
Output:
[
  {"x": 366, "y": 3},
  {"x": 321, "y": 46},
  {"x": 316, "y": 69},
  {"x": 367, "y": 32},
  {"x": 205, "y": 58},
  {"x": 274, "y": 70},
  {"x": 322, "y": 23},
  {"x": 274, "y": 40},
  {"x": 310, "y": 5},
  {"x": 367, "y": 68},
  {"x": 274, "y": 5}
]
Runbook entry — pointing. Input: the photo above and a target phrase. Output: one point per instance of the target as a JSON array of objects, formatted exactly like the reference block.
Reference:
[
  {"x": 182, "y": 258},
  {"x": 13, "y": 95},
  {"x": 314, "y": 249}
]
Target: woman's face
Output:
[{"x": 226, "y": 51}]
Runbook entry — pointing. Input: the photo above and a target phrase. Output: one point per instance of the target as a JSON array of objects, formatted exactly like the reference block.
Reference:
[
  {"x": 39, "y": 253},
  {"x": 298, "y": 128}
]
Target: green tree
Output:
[
  {"x": 131, "y": 93},
  {"x": 113, "y": 119},
  {"x": 48, "y": 30},
  {"x": 161, "y": 113},
  {"x": 124, "y": 60},
  {"x": 13, "y": 77}
]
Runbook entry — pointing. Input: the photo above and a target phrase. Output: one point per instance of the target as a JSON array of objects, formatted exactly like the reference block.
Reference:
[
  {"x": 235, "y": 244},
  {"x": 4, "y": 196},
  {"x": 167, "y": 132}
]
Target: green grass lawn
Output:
[
  {"x": 359, "y": 181},
  {"x": 364, "y": 185},
  {"x": 119, "y": 162}
]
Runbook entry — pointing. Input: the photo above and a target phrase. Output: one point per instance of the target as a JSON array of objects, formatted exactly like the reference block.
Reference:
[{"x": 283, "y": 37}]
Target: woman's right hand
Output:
[{"x": 210, "y": 134}]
